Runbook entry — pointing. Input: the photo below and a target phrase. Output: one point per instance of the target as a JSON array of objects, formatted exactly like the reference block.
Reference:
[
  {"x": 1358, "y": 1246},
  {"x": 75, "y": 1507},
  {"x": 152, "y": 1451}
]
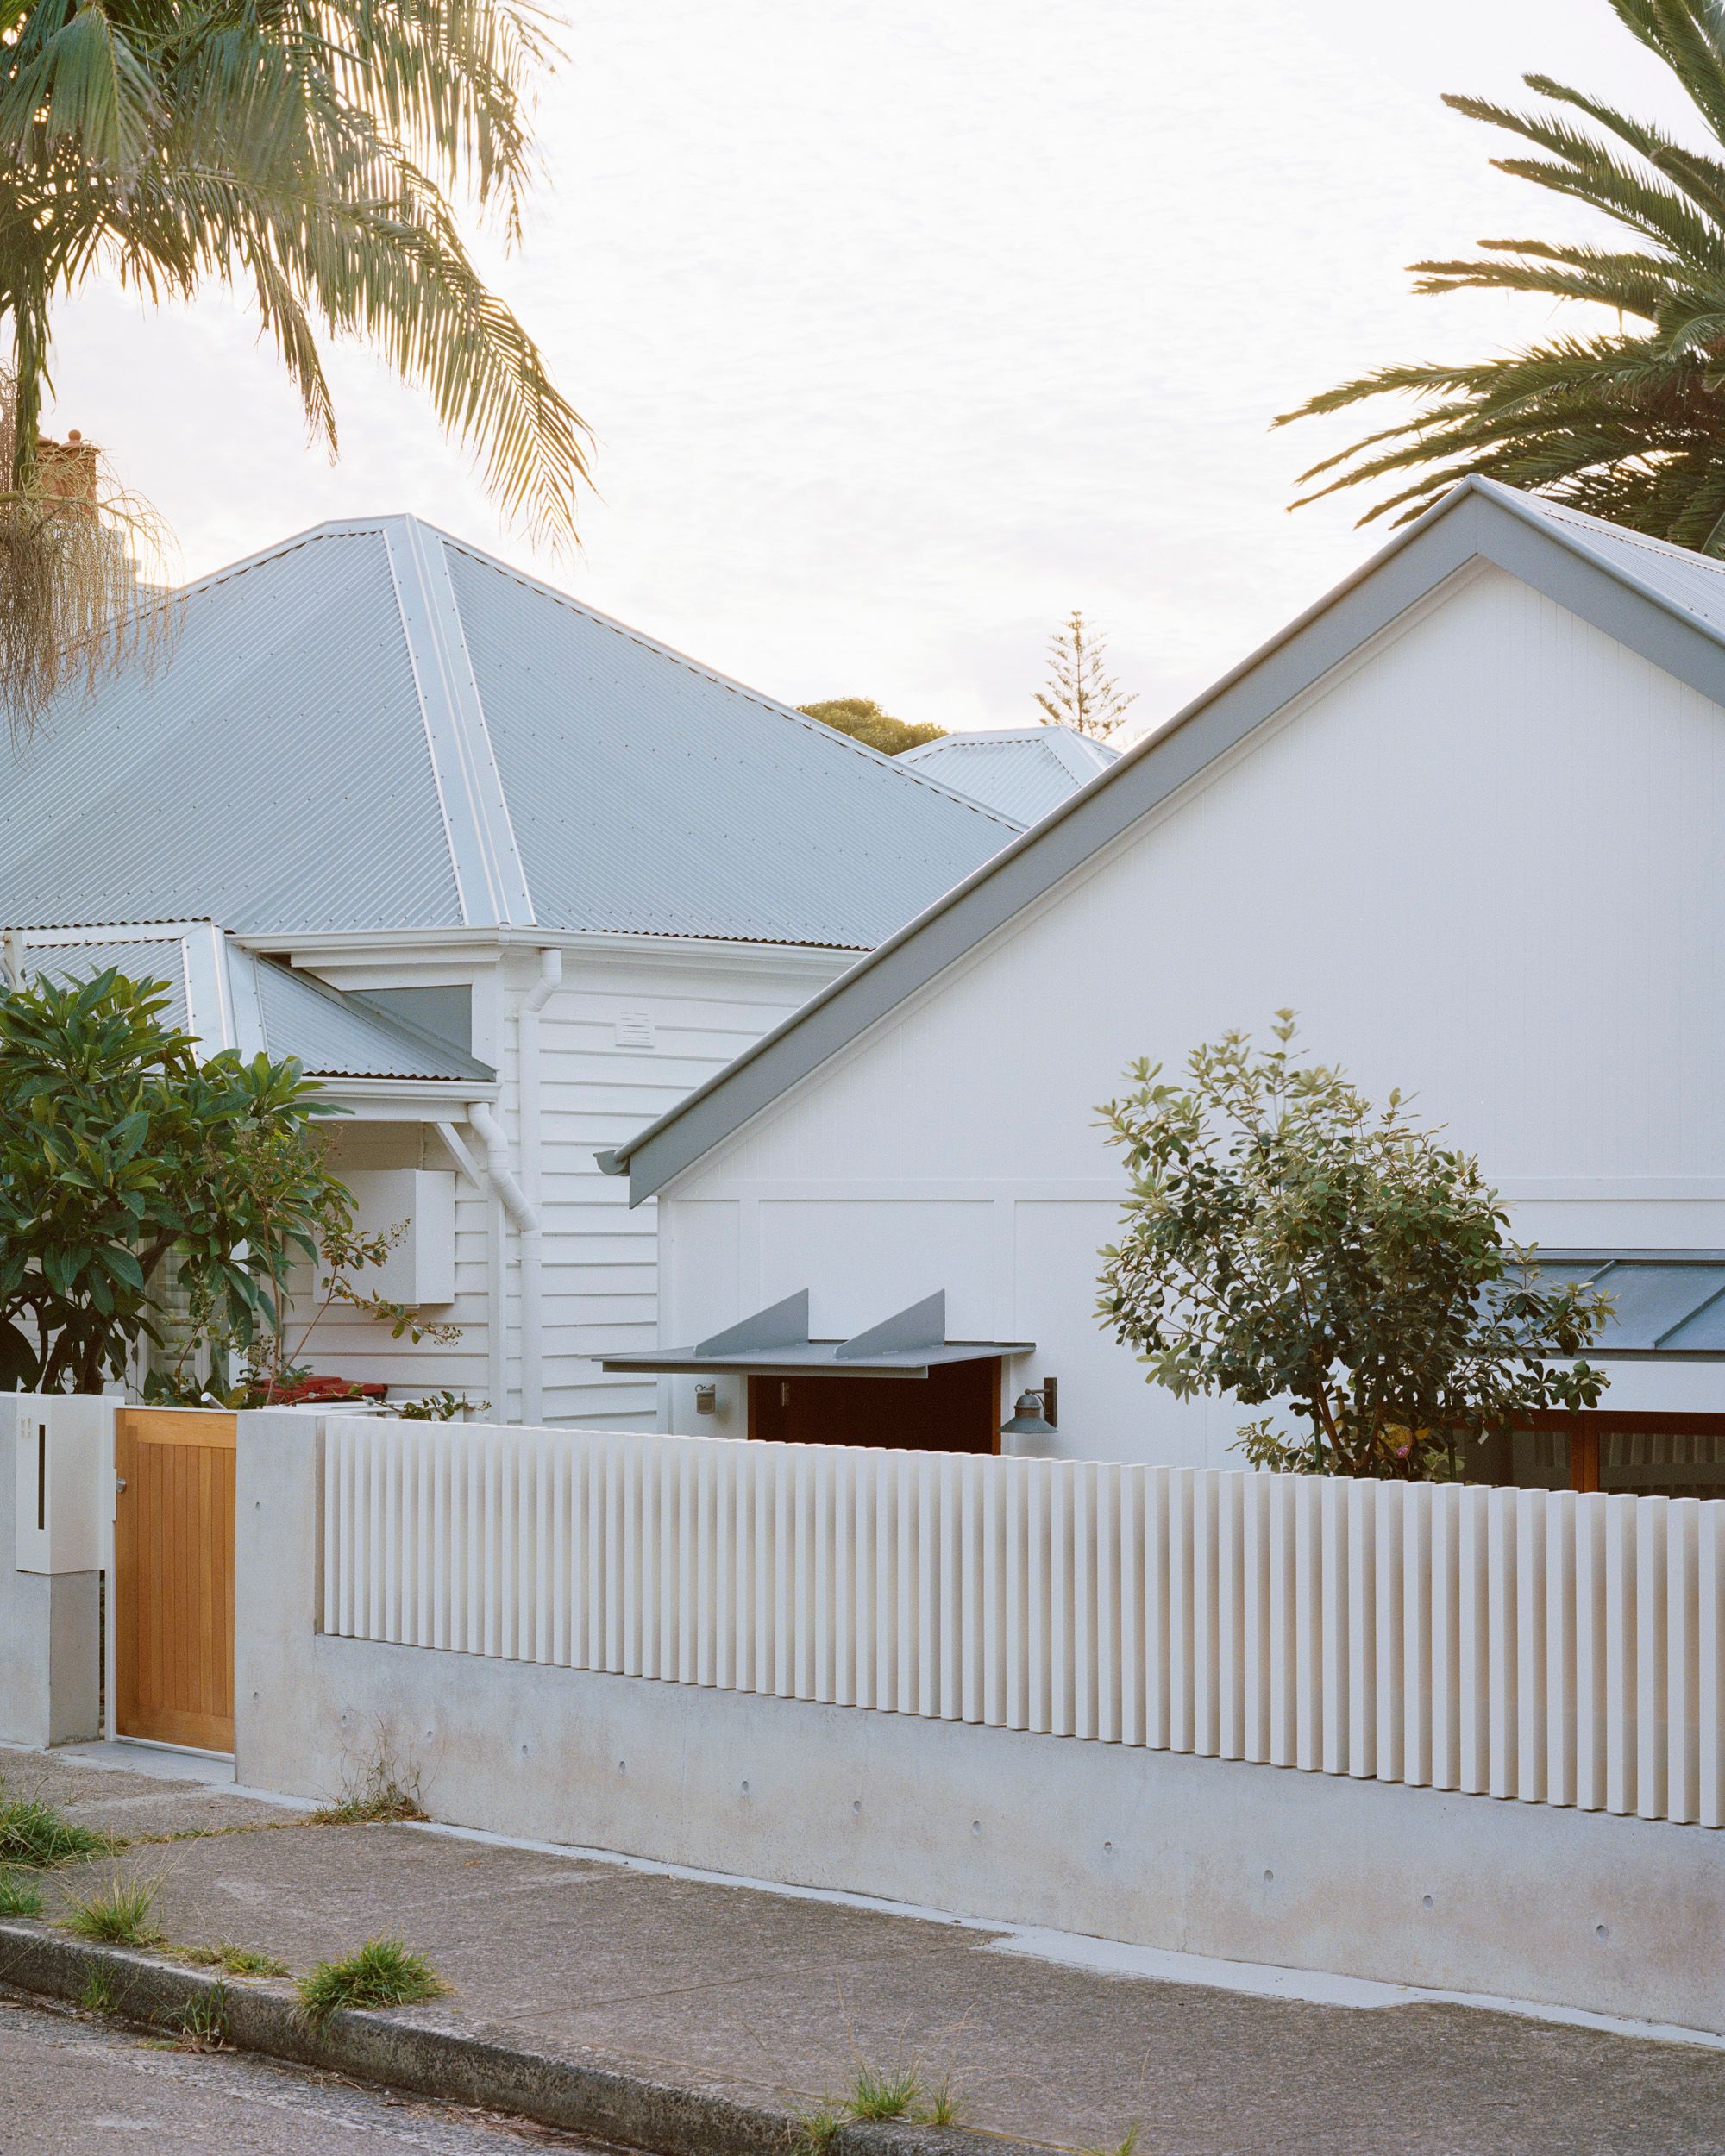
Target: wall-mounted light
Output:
[
  {"x": 1036, "y": 1412},
  {"x": 706, "y": 1400}
]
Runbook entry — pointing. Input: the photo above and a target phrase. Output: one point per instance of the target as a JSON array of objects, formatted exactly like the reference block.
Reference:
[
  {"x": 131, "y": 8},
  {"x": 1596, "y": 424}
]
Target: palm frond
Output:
[{"x": 1630, "y": 425}]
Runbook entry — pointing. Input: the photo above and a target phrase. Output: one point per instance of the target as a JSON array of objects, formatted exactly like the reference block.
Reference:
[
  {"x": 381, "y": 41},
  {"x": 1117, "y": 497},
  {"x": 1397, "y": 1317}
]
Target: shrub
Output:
[{"x": 1287, "y": 1240}]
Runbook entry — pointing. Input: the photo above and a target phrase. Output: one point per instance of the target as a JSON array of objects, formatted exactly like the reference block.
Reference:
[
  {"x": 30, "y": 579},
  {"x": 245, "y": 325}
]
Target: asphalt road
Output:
[{"x": 70, "y": 2086}]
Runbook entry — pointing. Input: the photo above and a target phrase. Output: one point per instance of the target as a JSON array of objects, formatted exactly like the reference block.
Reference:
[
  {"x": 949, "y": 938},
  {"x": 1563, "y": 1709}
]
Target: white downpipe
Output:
[
  {"x": 532, "y": 1170},
  {"x": 507, "y": 1198}
]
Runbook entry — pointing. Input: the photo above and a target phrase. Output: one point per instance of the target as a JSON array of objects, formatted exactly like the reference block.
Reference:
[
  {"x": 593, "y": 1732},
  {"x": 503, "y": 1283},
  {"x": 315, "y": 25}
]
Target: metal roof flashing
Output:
[{"x": 1640, "y": 592}]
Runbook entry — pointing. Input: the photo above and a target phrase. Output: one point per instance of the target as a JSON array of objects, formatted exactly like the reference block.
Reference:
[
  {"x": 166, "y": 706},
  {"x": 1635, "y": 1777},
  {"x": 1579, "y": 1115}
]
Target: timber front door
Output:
[{"x": 173, "y": 1577}]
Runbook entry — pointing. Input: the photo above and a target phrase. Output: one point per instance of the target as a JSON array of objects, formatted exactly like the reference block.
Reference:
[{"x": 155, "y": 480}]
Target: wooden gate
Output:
[{"x": 173, "y": 1577}]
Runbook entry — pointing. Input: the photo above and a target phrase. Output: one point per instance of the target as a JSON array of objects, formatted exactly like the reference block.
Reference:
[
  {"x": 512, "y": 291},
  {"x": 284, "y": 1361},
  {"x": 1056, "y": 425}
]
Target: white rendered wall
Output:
[{"x": 1480, "y": 861}]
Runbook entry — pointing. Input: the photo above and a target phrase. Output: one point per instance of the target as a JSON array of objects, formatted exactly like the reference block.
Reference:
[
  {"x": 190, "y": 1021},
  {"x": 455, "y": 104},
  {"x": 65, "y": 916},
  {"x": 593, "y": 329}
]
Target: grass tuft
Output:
[
  {"x": 943, "y": 2107},
  {"x": 202, "y": 2024},
  {"x": 19, "y": 1897},
  {"x": 98, "y": 1996},
  {"x": 382, "y": 1973},
  {"x": 876, "y": 2094},
  {"x": 817, "y": 2130},
  {"x": 35, "y": 1833},
  {"x": 122, "y": 1914},
  {"x": 238, "y": 1961},
  {"x": 1127, "y": 2147}
]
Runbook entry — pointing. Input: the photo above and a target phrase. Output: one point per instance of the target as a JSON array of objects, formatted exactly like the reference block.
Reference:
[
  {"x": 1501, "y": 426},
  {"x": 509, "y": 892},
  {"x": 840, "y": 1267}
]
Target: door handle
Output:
[{"x": 119, "y": 1482}]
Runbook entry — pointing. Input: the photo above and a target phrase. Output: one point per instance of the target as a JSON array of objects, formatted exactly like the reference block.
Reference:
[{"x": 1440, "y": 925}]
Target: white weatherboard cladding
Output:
[
  {"x": 1480, "y": 861},
  {"x": 599, "y": 1259}
]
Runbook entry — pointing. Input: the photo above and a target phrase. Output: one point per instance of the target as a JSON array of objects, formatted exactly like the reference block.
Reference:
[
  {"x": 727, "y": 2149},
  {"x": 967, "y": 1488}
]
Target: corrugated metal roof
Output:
[
  {"x": 1022, "y": 771},
  {"x": 1665, "y": 1304},
  {"x": 157, "y": 961},
  {"x": 335, "y": 1033},
  {"x": 231, "y": 998},
  {"x": 270, "y": 771},
  {"x": 371, "y": 727},
  {"x": 648, "y": 794}
]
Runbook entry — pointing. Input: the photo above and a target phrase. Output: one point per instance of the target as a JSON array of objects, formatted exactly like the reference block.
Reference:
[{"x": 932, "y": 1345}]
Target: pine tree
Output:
[{"x": 1080, "y": 693}]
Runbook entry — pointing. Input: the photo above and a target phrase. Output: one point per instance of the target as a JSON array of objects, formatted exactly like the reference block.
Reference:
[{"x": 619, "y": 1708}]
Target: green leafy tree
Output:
[
  {"x": 1286, "y": 1240},
  {"x": 1624, "y": 419},
  {"x": 1080, "y": 693},
  {"x": 306, "y": 155},
  {"x": 863, "y": 720},
  {"x": 121, "y": 1156}
]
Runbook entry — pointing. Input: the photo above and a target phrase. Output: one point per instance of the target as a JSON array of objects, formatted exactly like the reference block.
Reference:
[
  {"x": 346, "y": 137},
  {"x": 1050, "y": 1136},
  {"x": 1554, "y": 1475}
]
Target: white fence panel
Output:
[{"x": 1532, "y": 1644}]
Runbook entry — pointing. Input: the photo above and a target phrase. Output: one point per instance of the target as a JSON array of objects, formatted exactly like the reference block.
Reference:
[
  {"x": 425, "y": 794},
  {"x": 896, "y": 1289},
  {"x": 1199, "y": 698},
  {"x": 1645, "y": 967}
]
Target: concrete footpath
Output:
[{"x": 764, "y": 2006}]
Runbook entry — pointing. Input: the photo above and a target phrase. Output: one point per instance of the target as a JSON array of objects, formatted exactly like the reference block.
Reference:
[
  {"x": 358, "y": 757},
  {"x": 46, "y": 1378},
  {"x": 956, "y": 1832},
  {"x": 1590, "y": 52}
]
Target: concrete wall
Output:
[
  {"x": 1247, "y": 1863},
  {"x": 50, "y": 1644}
]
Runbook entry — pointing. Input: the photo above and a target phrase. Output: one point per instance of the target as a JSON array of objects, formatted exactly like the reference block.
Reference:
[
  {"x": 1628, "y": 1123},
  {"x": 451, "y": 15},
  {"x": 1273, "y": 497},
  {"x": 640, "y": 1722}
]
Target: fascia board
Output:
[
  {"x": 1471, "y": 524},
  {"x": 405, "y": 1101}
]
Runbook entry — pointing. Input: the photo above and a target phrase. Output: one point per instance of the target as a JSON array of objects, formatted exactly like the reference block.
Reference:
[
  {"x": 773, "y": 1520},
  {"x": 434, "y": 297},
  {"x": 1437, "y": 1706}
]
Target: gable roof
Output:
[
  {"x": 1659, "y": 600},
  {"x": 230, "y": 997},
  {"x": 373, "y": 726},
  {"x": 1022, "y": 771}
]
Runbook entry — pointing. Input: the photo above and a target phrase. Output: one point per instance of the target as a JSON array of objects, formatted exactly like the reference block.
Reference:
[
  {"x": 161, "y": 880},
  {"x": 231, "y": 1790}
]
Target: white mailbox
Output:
[
  {"x": 64, "y": 1484},
  {"x": 421, "y": 1201}
]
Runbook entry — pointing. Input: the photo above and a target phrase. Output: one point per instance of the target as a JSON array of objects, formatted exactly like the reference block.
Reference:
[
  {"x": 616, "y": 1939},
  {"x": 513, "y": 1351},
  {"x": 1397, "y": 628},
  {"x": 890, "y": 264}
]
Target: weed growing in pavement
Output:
[
  {"x": 1127, "y": 2147},
  {"x": 875, "y": 2093},
  {"x": 122, "y": 1914},
  {"x": 33, "y": 1832},
  {"x": 19, "y": 1897},
  {"x": 384, "y": 1788},
  {"x": 99, "y": 1995},
  {"x": 817, "y": 2130},
  {"x": 238, "y": 1961},
  {"x": 942, "y": 2106},
  {"x": 202, "y": 2023},
  {"x": 382, "y": 1973}
]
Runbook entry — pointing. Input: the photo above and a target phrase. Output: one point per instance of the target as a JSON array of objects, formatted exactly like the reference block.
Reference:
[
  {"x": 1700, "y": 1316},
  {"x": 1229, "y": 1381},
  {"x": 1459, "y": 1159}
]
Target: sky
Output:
[{"x": 904, "y": 329}]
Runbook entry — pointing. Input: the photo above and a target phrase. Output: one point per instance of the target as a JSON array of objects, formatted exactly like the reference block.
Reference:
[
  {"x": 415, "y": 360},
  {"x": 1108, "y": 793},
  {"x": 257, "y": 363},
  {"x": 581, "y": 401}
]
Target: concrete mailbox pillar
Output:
[{"x": 56, "y": 1513}]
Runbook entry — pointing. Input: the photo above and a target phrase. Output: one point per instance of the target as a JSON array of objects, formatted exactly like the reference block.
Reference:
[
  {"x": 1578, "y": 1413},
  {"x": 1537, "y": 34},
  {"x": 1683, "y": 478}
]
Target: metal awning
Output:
[
  {"x": 1666, "y": 1306},
  {"x": 775, "y": 1343}
]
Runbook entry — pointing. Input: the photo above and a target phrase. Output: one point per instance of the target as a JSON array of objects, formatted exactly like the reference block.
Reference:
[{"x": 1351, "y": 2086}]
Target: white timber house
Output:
[
  {"x": 510, "y": 877},
  {"x": 1465, "y": 816}
]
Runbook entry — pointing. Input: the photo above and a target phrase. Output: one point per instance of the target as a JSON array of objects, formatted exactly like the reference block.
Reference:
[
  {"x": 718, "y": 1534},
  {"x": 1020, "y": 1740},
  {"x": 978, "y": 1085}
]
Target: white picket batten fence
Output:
[{"x": 1533, "y": 1643}]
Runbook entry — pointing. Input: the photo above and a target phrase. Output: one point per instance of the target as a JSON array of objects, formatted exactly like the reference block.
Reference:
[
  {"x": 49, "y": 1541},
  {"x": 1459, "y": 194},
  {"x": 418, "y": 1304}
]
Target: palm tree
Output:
[
  {"x": 303, "y": 152},
  {"x": 1626, "y": 422}
]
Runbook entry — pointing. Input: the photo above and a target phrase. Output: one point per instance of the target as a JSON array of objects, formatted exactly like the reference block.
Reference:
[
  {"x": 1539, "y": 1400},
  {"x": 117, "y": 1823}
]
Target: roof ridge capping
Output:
[{"x": 1588, "y": 568}]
